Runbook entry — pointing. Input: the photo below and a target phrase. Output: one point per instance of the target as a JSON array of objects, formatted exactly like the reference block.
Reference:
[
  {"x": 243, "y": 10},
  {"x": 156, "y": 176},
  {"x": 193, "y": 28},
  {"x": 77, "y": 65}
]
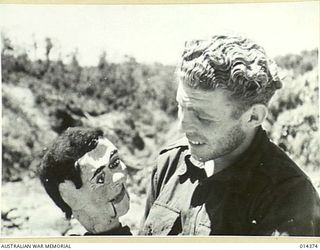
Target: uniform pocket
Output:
[{"x": 161, "y": 219}]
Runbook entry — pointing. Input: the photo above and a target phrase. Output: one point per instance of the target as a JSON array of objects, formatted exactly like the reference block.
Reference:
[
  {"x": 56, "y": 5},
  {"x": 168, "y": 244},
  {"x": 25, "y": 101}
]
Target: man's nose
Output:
[{"x": 185, "y": 122}]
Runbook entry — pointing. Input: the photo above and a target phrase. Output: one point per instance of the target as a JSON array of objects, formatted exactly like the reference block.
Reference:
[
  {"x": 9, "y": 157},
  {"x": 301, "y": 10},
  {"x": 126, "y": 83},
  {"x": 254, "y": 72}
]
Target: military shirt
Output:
[{"x": 263, "y": 193}]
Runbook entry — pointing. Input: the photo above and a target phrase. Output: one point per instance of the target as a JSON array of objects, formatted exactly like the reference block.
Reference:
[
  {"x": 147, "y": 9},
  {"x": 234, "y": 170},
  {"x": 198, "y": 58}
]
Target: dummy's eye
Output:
[
  {"x": 100, "y": 178},
  {"x": 115, "y": 163}
]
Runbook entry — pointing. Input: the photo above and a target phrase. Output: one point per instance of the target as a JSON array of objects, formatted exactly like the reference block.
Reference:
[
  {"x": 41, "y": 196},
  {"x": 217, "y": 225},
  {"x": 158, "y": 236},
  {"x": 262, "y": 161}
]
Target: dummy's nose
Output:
[{"x": 117, "y": 177}]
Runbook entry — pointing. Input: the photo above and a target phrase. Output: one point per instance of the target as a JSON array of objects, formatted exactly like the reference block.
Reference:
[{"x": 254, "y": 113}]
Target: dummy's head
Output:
[{"x": 84, "y": 176}]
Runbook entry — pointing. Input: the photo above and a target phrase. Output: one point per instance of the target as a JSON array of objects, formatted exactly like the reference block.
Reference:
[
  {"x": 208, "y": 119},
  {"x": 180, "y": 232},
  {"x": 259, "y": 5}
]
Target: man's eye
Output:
[
  {"x": 100, "y": 178},
  {"x": 115, "y": 163},
  {"x": 203, "y": 119}
]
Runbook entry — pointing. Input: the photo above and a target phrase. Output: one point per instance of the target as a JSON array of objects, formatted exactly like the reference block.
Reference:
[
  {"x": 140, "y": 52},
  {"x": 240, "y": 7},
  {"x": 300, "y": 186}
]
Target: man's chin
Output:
[
  {"x": 197, "y": 152},
  {"x": 198, "y": 157}
]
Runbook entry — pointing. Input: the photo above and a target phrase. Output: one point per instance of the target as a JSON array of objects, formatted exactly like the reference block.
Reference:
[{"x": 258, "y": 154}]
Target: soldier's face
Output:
[
  {"x": 206, "y": 117},
  {"x": 103, "y": 196}
]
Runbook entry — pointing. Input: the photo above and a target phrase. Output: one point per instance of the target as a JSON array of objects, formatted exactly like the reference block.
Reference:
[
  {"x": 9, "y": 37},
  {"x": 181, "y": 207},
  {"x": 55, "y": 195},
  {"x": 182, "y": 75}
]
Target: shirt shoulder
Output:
[
  {"x": 181, "y": 143},
  {"x": 169, "y": 159},
  {"x": 279, "y": 166},
  {"x": 280, "y": 174}
]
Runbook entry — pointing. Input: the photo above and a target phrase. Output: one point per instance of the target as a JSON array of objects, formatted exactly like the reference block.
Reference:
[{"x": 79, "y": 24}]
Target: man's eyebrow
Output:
[
  {"x": 195, "y": 109},
  {"x": 203, "y": 113}
]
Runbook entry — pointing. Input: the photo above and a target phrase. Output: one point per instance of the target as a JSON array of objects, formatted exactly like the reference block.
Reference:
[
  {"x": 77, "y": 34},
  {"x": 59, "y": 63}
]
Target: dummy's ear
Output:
[
  {"x": 256, "y": 115},
  {"x": 70, "y": 194}
]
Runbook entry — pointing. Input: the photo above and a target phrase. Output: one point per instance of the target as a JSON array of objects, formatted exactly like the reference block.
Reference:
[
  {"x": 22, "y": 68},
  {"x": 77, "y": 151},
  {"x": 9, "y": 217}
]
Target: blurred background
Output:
[{"x": 114, "y": 67}]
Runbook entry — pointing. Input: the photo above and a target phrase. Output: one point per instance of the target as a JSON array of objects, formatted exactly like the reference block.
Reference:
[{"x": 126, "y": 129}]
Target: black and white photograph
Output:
[{"x": 160, "y": 119}]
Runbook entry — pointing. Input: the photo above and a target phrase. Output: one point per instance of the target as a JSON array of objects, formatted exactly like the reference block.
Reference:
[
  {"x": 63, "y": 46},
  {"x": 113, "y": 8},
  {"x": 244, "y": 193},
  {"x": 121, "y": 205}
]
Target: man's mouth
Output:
[{"x": 197, "y": 143}]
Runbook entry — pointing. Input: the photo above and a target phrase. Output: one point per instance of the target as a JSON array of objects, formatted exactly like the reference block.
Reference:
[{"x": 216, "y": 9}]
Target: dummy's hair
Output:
[
  {"x": 233, "y": 63},
  {"x": 58, "y": 163}
]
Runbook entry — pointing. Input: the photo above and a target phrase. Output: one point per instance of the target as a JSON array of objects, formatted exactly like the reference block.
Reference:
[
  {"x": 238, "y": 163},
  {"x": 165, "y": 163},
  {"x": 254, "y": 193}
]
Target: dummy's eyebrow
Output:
[
  {"x": 99, "y": 169},
  {"x": 113, "y": 152}
]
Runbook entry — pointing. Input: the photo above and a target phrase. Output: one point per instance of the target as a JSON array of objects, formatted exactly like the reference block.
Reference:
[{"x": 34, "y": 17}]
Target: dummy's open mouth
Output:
[
  {"x": 120, "y": 196},
  {"x": 117, "y": 199}
]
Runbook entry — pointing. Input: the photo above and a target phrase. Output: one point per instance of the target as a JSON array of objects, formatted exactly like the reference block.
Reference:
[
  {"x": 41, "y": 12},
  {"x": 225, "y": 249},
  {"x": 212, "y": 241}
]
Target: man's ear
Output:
[
  {"x": 70, "y": 194},
  {"x": 256, "y": 115}
]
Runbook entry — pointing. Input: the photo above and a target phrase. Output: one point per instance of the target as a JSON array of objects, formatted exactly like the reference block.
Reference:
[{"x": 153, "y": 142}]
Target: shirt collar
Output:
[
  {"x": 189, "y": 171},
  {"x": 236, "y": 172}
]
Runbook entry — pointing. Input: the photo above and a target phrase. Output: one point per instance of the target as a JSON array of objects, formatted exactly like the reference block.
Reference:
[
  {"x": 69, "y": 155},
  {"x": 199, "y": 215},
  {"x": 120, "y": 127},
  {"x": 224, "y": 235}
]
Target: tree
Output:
[
  {"x": 102, "y": 64},
  {"x": 6, "y": 44}
]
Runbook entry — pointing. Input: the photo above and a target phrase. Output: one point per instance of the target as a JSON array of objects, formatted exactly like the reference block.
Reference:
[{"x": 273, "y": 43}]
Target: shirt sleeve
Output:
[
  {"x": 151, "y": 194},
  {"x": 292, "y": 208}
]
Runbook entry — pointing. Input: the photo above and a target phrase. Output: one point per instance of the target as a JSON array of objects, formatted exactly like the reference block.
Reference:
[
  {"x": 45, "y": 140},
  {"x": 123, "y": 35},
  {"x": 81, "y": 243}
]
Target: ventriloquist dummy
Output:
[{"x": 83, "y": 174}]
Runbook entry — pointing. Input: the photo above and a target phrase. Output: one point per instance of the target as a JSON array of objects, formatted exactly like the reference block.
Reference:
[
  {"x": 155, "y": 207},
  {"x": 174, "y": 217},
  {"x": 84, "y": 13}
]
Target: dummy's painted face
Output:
[{"x": 103, "y": 196}]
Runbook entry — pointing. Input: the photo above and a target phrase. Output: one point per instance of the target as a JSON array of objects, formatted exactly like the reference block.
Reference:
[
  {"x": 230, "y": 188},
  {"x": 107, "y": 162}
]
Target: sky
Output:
[{"x": 156, "y": 33}]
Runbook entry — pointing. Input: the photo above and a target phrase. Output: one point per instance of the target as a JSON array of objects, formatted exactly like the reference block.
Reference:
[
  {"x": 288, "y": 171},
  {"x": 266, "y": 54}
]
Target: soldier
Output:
[{"x": 225, "y": 177}]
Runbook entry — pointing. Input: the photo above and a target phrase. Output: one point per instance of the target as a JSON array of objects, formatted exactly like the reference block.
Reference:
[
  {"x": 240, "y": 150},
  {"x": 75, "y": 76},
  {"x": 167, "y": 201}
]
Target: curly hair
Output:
[
  {"x": 58, "y": 163},
  {"x": 233, "y": 63}
]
